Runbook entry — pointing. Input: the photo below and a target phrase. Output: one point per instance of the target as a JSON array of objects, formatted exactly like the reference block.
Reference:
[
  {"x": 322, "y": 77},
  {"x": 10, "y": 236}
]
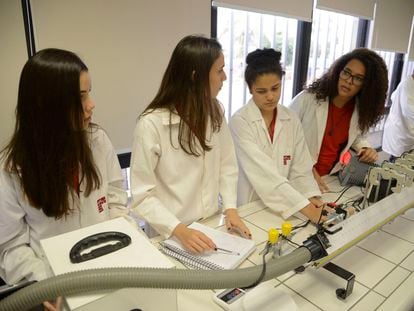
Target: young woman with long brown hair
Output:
[
  {"x": 59, "y": 171},
  {"x": 183, "y": 157}
]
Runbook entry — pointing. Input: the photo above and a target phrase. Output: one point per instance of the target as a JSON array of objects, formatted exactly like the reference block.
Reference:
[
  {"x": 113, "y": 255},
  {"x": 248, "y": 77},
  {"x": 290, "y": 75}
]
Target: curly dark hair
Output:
[
  {"x": 373, "y": 94},
  {"x": 260, "y": 62}
]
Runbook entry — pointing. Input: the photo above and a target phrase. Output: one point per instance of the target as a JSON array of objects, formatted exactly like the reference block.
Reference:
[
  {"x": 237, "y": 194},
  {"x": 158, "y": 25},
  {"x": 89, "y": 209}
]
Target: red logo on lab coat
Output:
[
  {"x": 286, "y": 158},
  {"x": 100, "y": 202}
]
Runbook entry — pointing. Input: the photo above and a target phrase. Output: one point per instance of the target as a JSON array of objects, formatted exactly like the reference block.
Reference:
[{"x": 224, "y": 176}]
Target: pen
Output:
[{"x": 226, "y": 251}]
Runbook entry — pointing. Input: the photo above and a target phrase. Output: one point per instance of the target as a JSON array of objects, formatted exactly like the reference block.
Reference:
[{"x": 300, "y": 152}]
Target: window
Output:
[
  {"x": 408, "y": 68},
  {"x": 241, "y": 32},
  {"x": 333, "y": 35},
  {"x": 389, "y": 61}
]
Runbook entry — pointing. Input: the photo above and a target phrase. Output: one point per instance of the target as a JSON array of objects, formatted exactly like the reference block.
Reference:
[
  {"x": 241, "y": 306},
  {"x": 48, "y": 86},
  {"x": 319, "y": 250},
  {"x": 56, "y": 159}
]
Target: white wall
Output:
[
  {"x": 13, "y": 54},
  {"x": 125, "y": 43}
]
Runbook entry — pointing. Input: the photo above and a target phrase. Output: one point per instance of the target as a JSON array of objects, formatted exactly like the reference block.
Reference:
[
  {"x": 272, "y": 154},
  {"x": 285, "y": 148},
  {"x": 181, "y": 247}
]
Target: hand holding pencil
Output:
[{"x": 193, "y": 240}]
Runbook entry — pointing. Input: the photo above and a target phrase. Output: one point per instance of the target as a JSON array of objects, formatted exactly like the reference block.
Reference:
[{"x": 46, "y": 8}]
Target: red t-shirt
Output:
[
  {"x": 335, "y": 137},
  {"x": 272, "y": 124}
]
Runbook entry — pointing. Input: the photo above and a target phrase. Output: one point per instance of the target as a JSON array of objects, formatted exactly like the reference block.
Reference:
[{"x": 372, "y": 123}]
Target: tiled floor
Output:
[
  {"x": 402, "y": 298},
  {"x": 383, "y": 264},
  {"x": 387, "y": 246}
]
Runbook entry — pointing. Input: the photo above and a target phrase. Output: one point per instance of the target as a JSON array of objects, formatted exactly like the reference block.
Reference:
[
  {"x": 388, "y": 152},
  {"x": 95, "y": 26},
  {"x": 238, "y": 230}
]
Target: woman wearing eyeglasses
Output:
[{"x": 337, "y": 110}]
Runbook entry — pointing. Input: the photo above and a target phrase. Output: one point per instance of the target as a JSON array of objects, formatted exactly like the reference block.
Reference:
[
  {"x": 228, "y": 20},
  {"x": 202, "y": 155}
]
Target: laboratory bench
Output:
[{"x": 383, "y": 263}]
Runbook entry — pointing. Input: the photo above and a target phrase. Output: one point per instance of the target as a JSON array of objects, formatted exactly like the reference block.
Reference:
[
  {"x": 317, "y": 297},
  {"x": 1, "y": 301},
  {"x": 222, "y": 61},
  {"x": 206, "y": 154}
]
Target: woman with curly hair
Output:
[{"x": 337, "y": 110}]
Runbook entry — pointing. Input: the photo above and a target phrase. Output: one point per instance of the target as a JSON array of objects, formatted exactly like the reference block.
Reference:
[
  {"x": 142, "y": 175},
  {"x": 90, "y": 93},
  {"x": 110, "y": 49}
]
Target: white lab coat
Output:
[
  {"x": 314, "y": 114},
  {"x": 23, "y": 226},
  {"x": 169, "y": 186},
  {"x": 278, "y": 173},
  {"x": 399, "y": 126}
]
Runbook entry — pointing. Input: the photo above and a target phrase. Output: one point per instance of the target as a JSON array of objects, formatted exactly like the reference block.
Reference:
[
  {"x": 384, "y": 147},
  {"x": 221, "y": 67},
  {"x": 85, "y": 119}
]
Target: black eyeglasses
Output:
[{"x": 356, "y": 80}]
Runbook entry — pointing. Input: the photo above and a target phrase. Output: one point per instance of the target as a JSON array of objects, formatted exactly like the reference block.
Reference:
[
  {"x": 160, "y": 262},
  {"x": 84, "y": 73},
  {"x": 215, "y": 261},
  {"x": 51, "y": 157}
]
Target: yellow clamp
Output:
[
  {"x": 286, "y": 228},
  {"x": 273, "y": 236}
]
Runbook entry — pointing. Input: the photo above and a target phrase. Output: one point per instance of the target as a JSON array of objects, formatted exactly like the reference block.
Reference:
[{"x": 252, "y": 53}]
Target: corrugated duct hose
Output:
[{"x": 115, "y": 278}]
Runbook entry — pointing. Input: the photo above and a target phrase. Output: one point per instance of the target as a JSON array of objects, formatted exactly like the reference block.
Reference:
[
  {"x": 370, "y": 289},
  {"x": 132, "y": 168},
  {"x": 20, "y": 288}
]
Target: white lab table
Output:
[{"x": 383, "y": 264}]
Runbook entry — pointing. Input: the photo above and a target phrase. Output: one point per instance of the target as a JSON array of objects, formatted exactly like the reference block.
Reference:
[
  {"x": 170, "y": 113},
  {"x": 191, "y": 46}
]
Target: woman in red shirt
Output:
[{"x": 337, "y": 110}]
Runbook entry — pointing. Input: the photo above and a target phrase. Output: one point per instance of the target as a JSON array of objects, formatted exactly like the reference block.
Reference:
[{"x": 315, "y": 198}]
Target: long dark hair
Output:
[
  {"x": 50, "y": 145},
  {"x": 371, "y": 97},
  {"x": 185, "y": 89},
  {"x": 260, "y": 62}
]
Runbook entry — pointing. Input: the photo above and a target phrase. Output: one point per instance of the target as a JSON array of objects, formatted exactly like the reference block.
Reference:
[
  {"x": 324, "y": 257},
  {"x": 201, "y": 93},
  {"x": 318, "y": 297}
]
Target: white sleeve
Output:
[
  {"x": 298, "y": 105},
  {"x": 360, "y": 142},
  {"x": 228, "y": 168},
  {"x": 406, "y": 98},
  {"x": 146, "y": 152},
  {"x": 273, "y": 189},
  {"x": 17, "y": 259},
  {"x": 300, "y": 174},
  {"x": 117, "y": 196}
]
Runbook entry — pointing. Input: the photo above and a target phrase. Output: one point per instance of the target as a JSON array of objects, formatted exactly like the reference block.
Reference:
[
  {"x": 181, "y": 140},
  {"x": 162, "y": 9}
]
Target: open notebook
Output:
[{"x": 215, "y": 260}]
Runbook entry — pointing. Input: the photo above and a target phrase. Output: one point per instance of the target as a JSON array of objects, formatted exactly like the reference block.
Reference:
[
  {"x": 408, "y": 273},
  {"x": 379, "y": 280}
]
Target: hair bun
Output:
[{"x": 264, "y": 53}]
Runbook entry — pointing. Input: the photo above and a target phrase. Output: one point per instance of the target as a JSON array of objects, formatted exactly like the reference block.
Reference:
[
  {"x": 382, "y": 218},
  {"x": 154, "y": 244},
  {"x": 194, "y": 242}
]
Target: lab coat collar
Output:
[
  {"x": 321, "y": 118},
  {"x": 256, "y": 117},
  {"x": 174, "y": 119},
  {"x": 255, "y": 114},
  {"x": 167, "y": 116}
]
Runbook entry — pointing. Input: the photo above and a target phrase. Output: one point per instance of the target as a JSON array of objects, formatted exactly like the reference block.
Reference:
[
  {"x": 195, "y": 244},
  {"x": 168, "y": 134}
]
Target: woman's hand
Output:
[
  {"x": 323, "y": 187},
  {"x": 192, "y": 240},
  {"x": 53, "y": 305},
  {"x": 235, "y": 223},
  {"x": 316, "y": 213},
  {"x": 313, "y": 213},
  {"x": 317, "y": 201},
  {"x": 368, "y": 155}
]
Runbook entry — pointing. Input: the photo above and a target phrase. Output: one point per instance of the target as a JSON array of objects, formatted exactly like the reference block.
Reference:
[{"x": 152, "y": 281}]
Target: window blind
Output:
[
  {"x": 358, "y": 8},
  {"x": 299, "y": 9}
]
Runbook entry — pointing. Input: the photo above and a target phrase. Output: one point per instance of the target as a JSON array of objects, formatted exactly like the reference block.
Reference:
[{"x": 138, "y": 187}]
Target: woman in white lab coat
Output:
[
  {"x": 275, "y": 165},
  {"x": 183, "y": 156},
  {"x": 59, "y": 171},
  {"x": 399, "y": 127},
  {"x": 337, "y": 110}
]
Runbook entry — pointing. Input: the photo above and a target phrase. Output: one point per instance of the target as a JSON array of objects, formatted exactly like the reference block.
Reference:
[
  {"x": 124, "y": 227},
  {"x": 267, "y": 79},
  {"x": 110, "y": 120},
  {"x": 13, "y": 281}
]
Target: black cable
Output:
[
  {"x": 262, "y": 274},
  {"x": 265, "y": 252},
  {"x": 343, "y": 191},
  {"x": 290, "y": 241},
  {"x": 339, "y": 191},
  {"x": 321, "y": 214},
  {"x": 302, "y": 225}
]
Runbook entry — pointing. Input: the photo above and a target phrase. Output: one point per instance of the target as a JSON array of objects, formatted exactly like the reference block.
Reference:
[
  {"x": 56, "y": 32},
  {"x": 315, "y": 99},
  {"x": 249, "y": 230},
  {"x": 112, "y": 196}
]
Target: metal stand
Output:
[{"x": 342, "y": 293}]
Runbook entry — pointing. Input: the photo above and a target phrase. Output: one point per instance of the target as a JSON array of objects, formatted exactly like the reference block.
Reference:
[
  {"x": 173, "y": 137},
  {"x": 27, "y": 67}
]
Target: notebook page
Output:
[{"x": 236, "y": 244}]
